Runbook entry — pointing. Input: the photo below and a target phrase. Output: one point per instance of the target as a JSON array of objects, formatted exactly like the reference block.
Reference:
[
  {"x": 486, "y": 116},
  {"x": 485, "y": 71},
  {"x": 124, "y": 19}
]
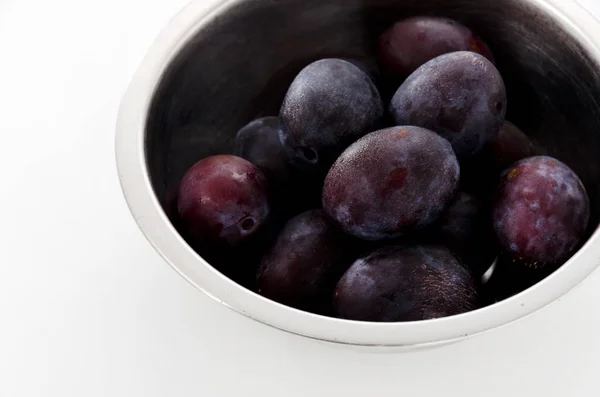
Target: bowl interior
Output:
[{"x": 238, "y": 66}]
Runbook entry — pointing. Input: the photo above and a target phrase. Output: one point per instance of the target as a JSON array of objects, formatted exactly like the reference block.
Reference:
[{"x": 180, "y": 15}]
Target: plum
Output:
[
  {"x": 406, "y": 283},
  {"x": 308, "y": 258},
  {"x": 223, "y": 200},
  {"x": 411, "y": 42},
  {"x": 258, "y": 142},
  {"x": 291, "y": 191},
  {"x": 541, "y": 211},
  {"x": 460, "y": 95},
  {"x": 510, "y": 146},
  {"x": 329, "y": 105},
  {"x": 391, "y": 182}
]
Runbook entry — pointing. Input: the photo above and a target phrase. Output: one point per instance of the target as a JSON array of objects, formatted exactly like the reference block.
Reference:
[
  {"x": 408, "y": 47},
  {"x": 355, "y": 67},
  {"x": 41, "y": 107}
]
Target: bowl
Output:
[{"x": 213, "y": 70}]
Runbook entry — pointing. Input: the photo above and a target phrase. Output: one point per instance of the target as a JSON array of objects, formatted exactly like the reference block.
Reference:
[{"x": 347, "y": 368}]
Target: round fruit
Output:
[
  {"x": 411, "y": 42},
  {"x": 391, "y": 182},
  {"x": 460, "y": 95},
  {"x": 510, "y": 146},
  {"x": 541, "y": 211},
  {"x": 291, "y": 191},
  {"x": 330, "y": 104},
  {"x": 258, "y": 142},
  {"x": 308, "y": 258},
  {"x": 223, "y": 200},
  {"x": 406, "y": 284}
]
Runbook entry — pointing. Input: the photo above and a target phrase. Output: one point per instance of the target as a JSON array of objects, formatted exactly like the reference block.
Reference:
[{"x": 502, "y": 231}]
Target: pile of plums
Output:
[{"x": 431, "y": 205}]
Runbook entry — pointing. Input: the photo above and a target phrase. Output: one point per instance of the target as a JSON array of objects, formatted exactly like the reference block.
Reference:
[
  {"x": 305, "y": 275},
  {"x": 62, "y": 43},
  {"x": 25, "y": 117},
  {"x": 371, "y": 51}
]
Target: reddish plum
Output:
[
  {"x": 414, "y": 41},
  {"x": 223, "y": 199},
  {"x": 541, "y": 211}
]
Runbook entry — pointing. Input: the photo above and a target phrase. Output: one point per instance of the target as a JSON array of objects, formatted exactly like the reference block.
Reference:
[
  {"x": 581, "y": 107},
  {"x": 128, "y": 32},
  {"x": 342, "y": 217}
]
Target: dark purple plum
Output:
[
  {"x": 258, "y": 142},
  {"x": 291, "y": 191},
  {"x": 391, "y": 182},
  {"x": 412, "y": 42},
  {"x": 466, "y": 229},
  {"x": 406, "y": 283},
  {"x": 308, "y": 258},
  {"x": 510, "y": 146},
  {"x": 541, "y": 211},
  {"x": 223, "y": 199},
  {"x": 460, "y": 95},
  {"x": 479, "y": 178},
  {"x": 330, "y": 104}
]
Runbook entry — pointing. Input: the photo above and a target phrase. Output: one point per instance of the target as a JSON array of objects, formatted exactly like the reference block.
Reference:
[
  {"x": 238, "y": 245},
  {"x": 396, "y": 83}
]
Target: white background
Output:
[{"x": 88, "y": 309}]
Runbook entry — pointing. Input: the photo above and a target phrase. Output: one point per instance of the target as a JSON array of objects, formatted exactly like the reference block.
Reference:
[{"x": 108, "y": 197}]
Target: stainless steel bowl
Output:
[{"x": 210, "y": 72}]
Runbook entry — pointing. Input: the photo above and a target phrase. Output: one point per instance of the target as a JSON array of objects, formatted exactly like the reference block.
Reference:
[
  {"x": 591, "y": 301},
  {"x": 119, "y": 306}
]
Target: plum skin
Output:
[
  {"x": 291, "y": 191},
  {"x": 258, "y": 142},
  {"x": 329, "y": 105},
  {"x": 308, "y": 257},
  {"x": 510, "y": 146},
  {"x": 459, "y": 95},
  {"x": 541, "y": 211},
  {"x": 223, "y": 200},
  {"x": 406, "y": 283},
  {"x": 411, "y": 42},
  {"x": 391, "y": 182}
]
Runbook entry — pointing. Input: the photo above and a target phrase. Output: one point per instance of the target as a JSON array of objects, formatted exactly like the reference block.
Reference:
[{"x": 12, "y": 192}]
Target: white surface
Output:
[{"x": 88, "y": 309}]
